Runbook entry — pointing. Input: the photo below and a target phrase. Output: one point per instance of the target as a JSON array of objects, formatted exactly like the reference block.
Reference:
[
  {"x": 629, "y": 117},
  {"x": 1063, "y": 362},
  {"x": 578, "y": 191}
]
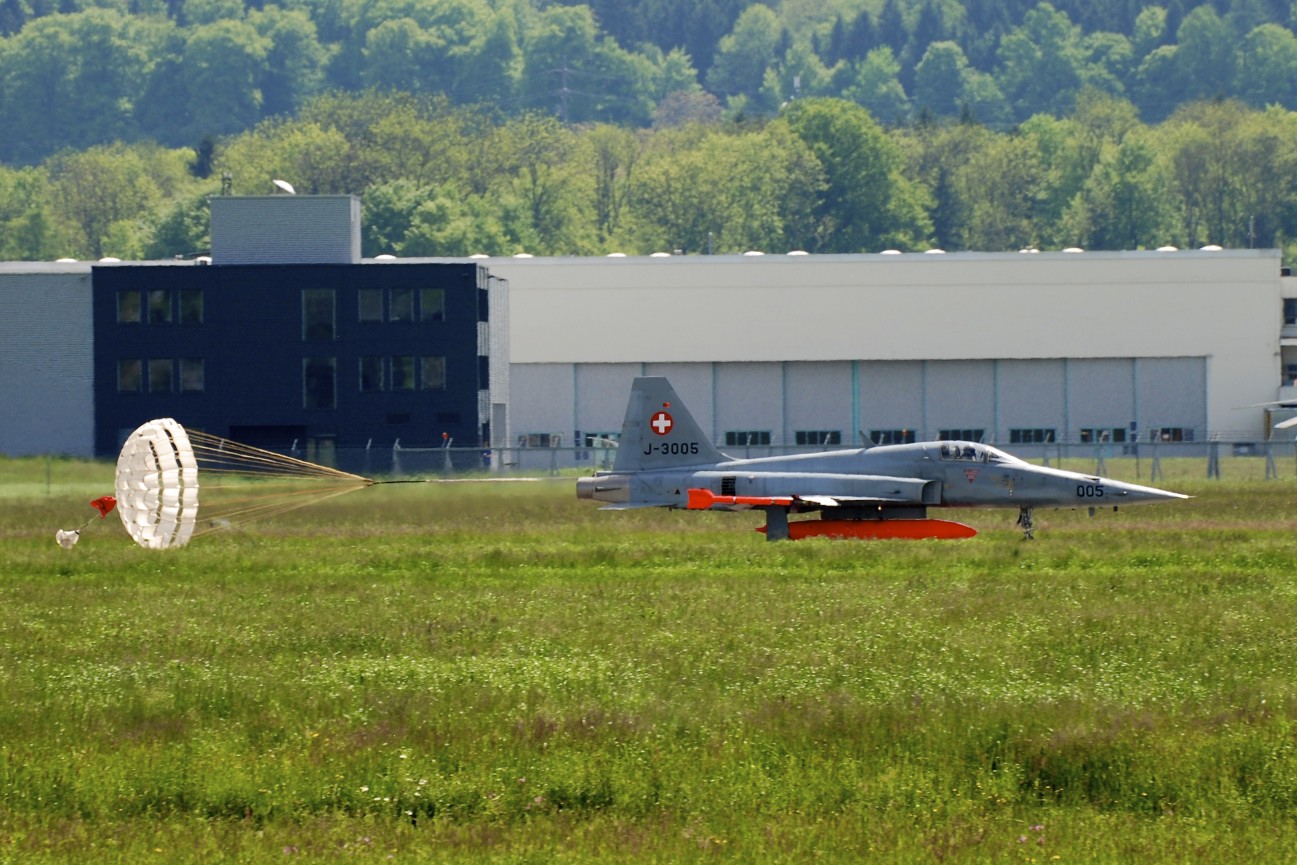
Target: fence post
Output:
[
  {"x": 1271, "y": 472},
  {"x": 1213, "y": 460}
]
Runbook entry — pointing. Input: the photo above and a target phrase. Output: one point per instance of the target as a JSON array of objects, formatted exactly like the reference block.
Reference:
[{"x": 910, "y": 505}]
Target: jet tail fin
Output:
[{"x": 659, "y": 432}]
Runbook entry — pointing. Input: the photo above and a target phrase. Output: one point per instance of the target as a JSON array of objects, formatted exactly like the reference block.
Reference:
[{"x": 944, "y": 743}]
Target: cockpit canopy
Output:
[{"x": 972, "y": 452}]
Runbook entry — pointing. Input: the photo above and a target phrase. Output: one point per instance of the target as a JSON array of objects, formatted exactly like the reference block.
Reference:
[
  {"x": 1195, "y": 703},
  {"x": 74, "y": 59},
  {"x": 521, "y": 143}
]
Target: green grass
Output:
[{"x": 502, "y": 673}]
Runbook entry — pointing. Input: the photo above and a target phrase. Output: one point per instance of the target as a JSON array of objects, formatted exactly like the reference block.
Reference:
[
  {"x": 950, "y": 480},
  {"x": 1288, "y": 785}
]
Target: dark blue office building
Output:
[{"x": 325, "y": 357}]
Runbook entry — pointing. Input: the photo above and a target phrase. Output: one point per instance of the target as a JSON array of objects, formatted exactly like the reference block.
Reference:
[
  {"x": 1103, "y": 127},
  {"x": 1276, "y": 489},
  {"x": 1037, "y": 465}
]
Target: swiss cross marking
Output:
[{"x": 661, "y": 423}]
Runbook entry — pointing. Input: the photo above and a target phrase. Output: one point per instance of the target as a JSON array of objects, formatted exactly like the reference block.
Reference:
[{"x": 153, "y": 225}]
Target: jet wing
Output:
[
  {"x": 701, "y": 500},
  {"x": 849, "y": 501}
]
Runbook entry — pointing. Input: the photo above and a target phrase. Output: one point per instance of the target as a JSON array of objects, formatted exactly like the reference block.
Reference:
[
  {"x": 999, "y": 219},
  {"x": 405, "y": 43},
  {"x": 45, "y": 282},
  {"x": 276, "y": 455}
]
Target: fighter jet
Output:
[{"x": 665, "y": 460}]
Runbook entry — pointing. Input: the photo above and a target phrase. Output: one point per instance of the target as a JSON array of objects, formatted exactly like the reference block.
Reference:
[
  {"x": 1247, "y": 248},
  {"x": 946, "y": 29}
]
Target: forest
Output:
[{"x": 503, "y": 126}]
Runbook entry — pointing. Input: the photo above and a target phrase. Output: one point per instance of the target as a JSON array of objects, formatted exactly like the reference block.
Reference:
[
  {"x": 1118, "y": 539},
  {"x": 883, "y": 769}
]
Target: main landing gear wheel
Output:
[{"x": 1027, "y": 524}]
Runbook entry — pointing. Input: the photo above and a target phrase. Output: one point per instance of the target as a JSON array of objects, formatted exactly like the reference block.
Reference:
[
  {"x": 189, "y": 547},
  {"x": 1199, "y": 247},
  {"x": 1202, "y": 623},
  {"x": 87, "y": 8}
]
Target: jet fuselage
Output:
[{"x": 926, "y": 474}]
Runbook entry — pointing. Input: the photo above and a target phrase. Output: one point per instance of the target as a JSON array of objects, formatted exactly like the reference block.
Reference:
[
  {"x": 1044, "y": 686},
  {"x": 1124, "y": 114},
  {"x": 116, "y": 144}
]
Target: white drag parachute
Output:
[
  {"x": 173, "y": 484},
  {"x": 157, "y": 485}
]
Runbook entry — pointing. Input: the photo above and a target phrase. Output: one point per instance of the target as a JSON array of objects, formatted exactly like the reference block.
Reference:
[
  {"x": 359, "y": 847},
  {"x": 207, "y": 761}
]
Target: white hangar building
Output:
[{"x": 1010, "y": 348}]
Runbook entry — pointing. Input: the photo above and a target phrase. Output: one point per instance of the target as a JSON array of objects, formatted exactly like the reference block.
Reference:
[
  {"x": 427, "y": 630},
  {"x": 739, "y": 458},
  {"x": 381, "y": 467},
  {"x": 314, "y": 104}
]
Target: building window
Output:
[
  {"x": 1031, "y": 436},
  {"x": 160, "y": 375},
  {"x": 540, "y": 440},
  {"x": 963, "y": 435},
  {"x": 192, "y": 375},
  {"x": 401, "y": 304},
  {"x": 1170, "y": 434},
  {"x": 434, "y": 373},
  {"x": 1103, "y": 435},
  {"x": 370, "y": 301},
  {"x": 159, "y": 306},
  {"x": 1290, "y": 310},
  {"x": 191, "y": 306},
  {"x": 371, "y": 373},
  {"x": 402, "y": 300},
  {"x": 402, "y": 373},
  {"x": 318, "y": 378},
  {"x": 130, "y": 376},
  {"x": 818, "y": 438},
  {"x": 317, "y": 314},
  {"x": 130, "y": 307},
  {"x": 432, "y": 304},
  {"x": 747, "y": 438},
  {"x": 891, "y": 436}
]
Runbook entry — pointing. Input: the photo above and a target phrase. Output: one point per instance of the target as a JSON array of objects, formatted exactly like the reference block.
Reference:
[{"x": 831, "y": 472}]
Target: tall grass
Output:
[{"x": 503, "y": 673}]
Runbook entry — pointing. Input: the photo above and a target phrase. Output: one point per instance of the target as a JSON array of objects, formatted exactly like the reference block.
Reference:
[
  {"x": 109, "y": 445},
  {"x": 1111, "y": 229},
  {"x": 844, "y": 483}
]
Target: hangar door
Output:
[
  {"x": 1163, "y": 398},
  {"x": 1172, "y": 398}
]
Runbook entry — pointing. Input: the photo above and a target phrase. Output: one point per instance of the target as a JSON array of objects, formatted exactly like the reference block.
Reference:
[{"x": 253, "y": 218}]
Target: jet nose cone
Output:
[{"x": 1130, "y": 494}]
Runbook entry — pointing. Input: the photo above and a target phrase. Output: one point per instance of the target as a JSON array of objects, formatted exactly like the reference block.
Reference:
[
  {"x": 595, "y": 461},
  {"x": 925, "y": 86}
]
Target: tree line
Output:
[
  {"x": 81, "y": 73},
  {"x": 823, "y": 175}
]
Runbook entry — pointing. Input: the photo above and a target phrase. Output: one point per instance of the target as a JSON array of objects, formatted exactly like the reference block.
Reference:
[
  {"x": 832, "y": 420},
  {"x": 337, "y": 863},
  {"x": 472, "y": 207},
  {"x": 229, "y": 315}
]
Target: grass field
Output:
[{"x": 501, "y": 673}]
